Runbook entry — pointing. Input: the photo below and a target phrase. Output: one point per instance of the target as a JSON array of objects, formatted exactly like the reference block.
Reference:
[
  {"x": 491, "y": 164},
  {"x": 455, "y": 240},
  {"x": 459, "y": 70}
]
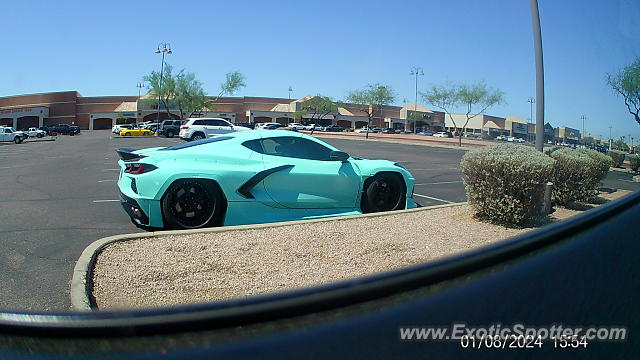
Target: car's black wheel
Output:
[
  {"x": 127, "y": 134},
  {"x": 192, "y": 204},
  {"x": 17, "y": 140},
  {"x": 39, "y": 135},
  {"x": 383, "y": 192},
  {"x": 197, "y": 136},
  {"x": 169, "y": 133}
]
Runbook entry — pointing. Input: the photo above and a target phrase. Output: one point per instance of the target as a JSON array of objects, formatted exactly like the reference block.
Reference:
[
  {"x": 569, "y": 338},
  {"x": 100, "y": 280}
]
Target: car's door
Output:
[
  {"x": 307, "y": 178},
  {"x": 4, "y": 134}
]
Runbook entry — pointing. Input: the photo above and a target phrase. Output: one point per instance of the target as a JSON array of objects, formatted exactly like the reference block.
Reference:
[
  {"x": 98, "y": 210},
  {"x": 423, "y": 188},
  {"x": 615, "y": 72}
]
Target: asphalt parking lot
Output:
[{"x": 59, "y": 196}]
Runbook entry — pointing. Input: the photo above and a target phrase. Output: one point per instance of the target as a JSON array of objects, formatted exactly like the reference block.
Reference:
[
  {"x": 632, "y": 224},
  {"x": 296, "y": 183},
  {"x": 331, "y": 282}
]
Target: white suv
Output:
[{"x": 201, "y": 128}]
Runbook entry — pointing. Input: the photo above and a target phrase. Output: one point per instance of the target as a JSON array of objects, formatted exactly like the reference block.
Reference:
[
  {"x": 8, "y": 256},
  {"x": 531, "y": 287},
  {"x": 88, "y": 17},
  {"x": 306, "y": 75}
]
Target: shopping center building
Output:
[{"x": 102, "y": 112}]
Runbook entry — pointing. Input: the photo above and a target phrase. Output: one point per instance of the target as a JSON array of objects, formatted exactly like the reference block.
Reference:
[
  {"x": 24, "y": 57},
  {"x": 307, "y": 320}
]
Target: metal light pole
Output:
[
  {"x": 610, "y": 139},
  {"x": 531, "y": 101},
  {"x": 415, "y": 71},
  {"x": 166, "y": 49},
  {"x": 583, "y": 118},
  {"x": 290, "y": 90},
  {"x": 139, "y": 85},
  {"x": 537, "y": 43}
]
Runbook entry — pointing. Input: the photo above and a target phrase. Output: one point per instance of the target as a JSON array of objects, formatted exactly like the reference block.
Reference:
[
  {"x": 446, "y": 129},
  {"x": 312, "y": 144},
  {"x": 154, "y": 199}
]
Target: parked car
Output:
[
  {"x": 200, "y": 128},
  {"x": 376, "y": 130},
  {"x": 471, "y": 135},
  {"x": 426, "y": 133},
  {"x": 333, "y": 128},
  {"x": 136, "y": 131},
  {"x": 219, "y": 180},
  {"x": 170, "y": 128},
  {"x": 501, "y": 137},
  {"x": 35, "y": 132},
  {"x": 362, "y": 130},
  {"x": 118, "y": 127},
  {"x": 264, "y": 125},
  {"x": 249, "y": 125},
  {"x": 152, "y": 126},
  {"x": 443, "y": 134},
  {"x": 9, "y": 134},
  {"x": 315, "y": 127},
  {"x": 388, "y": 131},
  {"x": 296, "y": 126},
  {"x": 66, "y": 129}
]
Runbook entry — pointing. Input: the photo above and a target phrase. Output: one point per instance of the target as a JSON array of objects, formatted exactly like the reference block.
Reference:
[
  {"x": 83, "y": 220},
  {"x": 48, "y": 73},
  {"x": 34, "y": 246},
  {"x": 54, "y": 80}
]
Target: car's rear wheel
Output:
[
  {"x": 127, "y": 134},
  {"x": 192, "y": 204},
  {"x": 197, "y": 136},
  {"x": 169, "y": 133},
  {"x": 383, "y": 192}
]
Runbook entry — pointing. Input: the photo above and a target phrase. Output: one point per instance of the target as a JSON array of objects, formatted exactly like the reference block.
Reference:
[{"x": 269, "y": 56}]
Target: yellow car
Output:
[{"x": 136, "y": 132}]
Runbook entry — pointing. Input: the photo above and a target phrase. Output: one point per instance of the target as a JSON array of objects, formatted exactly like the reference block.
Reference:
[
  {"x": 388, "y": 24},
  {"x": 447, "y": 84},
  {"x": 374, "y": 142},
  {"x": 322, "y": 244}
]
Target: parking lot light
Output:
[{"x": 163, "y": 48}]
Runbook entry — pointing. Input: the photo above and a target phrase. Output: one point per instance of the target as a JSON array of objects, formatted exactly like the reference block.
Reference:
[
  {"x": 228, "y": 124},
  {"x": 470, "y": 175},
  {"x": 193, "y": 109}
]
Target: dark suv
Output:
[{"x": 170, "y": 128}]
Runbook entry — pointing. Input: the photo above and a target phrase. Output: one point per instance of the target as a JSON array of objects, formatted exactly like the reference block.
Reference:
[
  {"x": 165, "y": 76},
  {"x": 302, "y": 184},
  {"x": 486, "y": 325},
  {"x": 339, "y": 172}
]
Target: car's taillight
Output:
[
  {"x": 184, "y": 127},
  {"x": 138, "y": 168}
]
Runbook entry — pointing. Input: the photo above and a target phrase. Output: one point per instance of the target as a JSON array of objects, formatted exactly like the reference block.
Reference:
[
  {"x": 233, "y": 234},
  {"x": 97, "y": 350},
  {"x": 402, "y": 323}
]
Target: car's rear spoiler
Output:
[{"x": 127, "y": 154}]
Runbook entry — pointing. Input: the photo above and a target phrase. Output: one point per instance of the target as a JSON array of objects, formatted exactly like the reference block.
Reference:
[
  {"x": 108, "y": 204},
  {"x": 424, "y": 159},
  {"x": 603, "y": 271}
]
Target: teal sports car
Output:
[{"x": 251, "y": 177}]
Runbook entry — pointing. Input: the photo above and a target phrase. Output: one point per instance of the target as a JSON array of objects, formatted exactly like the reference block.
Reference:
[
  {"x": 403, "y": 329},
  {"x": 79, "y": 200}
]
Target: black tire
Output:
[
  {"x": 39, "y": 135},
  {"x": 383, "y": 192},
  {"x": 17, "y": 139},
  {"x": 127, "y": 134},
  {"x": 71, "y": 133},
  {"x": 197, "y": 136},
  {"x": 169, "y": 133},
  {"x": 192, "y": 204}
]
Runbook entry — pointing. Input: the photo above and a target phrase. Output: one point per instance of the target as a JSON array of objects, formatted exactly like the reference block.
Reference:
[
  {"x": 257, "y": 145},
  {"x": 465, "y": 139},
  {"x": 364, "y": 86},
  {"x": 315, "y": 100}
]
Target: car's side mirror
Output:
[{"x": 338, "y": 156}]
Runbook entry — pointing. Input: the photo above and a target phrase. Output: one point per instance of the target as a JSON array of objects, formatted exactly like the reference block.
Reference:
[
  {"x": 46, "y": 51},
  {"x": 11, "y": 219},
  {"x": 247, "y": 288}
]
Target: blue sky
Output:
[{"x": 331, "y": 47}]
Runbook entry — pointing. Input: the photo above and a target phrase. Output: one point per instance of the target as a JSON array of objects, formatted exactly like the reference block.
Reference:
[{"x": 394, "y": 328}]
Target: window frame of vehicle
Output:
[{"x": 258, "y": 145}]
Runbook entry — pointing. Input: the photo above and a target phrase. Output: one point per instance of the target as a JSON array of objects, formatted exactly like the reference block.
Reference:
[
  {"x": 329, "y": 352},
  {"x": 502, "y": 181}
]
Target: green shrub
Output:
[
  {"x": 577, "y": 174},
  {"x": 618, "y": 157},
  {"x": 635, "y": 162},
  {"x": 504, "y": 182},
  {"x": 600, "y": 169},
  {"x": 551, "y": 150}
]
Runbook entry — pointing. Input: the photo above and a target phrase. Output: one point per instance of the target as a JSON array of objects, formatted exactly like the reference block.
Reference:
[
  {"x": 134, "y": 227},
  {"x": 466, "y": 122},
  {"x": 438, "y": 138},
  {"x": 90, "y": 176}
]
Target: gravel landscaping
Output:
[{"x": 166, "y": 270}]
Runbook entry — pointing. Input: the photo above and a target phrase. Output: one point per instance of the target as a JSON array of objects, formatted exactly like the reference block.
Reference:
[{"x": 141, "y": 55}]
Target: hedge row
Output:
[
  {"x": 635, "y": 162},
  {"x": 504, "y": 182},
  {"x": 618, "y": 157}
]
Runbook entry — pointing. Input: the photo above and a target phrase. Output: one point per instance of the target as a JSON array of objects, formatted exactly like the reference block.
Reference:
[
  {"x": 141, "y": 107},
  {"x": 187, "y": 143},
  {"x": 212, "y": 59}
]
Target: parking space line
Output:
[
  {"x": 442, "y": 182},
  {"x": 107, "y": 180},
  {"x": 102, "y": 201},
  {"x": 432, "y": 198},
  {"x": 631, "y": 181},
  {"x": 110, "y": 169}
]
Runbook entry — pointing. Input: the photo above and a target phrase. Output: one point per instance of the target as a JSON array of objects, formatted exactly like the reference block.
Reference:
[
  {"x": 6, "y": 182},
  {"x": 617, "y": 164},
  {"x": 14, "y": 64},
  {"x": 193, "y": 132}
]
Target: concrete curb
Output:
[{"x": 80, "y": 291}]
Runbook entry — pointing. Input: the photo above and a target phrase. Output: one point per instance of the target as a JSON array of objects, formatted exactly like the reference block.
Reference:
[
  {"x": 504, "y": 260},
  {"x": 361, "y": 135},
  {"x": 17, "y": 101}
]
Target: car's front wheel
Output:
[
  {"x": 169, "y": 133},
  {"x": 127, "y": 134},
  {"x": 192, "y": 204},
  {"x": 383, "y": 192},
  {"x": 17, "y": 140},
  {"x": 39, "y": 135}
]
